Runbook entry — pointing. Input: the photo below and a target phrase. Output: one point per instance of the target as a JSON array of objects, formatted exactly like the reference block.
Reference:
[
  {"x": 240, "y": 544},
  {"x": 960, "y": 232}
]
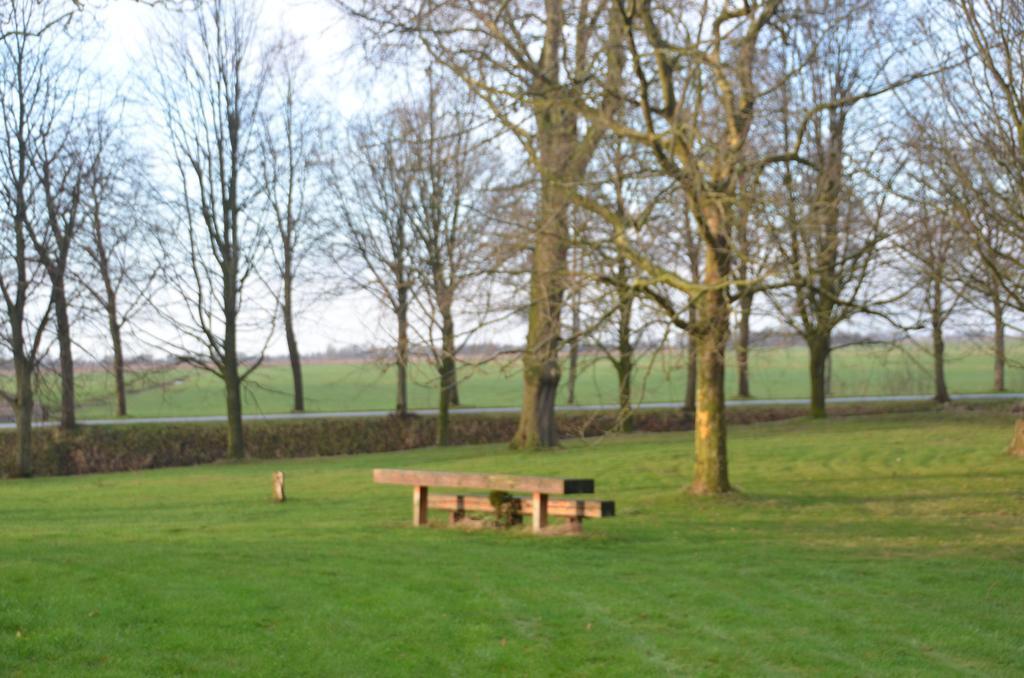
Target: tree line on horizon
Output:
[{"x": 610, "y": 173}]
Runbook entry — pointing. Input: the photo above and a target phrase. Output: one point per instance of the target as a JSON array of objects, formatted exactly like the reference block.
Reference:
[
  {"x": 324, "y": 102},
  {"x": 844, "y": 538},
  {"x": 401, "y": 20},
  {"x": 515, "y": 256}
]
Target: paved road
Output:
[{"x": 289, "y": 416}]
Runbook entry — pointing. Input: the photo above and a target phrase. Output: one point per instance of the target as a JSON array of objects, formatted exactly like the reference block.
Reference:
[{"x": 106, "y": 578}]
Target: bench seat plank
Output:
[
  {"x": 483, "y": 481},
  {"x": 563, "y": 508}
]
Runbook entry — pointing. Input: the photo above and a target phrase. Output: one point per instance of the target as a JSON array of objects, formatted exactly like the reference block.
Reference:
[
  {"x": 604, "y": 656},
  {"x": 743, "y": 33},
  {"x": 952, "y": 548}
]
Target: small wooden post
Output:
[
  {"x": 1016, "y": 447},
  {"x": 575, "y": 525},
  {"x": 540, "y": 511},
  {"x": 279, "y": 486},
  {"x": 419, "y": 505}
]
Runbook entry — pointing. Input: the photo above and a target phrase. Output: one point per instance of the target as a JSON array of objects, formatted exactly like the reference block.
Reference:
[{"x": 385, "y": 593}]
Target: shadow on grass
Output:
[
  {"x": 915, "y": 477},
  {"x": 805, "y": 500}
]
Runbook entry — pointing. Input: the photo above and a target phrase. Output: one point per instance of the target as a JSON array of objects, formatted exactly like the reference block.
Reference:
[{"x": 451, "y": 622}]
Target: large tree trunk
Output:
[
  {"x": 819, "y": 347},
  {"x": 402, "y": 351},
  {"x": 743, "y": 343},
  {"x": 67, "y": 363},
  {"x": 446, "y": 370},
  {"x": 541, "y": 373},
  {"x": 711, "y": 469},
  {"x": 563, "y": 161},
  {"x": 999, "y": 368},
  {"x": 541, "y": 369},
  {"x": 939, "y": 359},
  {"x": 23, "y": 403},
  {"x": 299, "y": 399}
]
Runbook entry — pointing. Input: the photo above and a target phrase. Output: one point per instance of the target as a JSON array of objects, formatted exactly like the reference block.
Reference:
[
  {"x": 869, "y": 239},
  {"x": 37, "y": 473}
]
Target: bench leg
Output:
[
  {"x": 540, "y": 511},
  {"x": 456, "y": 517},
  {"x": 419, "y": 505},
  {"x": 575, "y": 524}
]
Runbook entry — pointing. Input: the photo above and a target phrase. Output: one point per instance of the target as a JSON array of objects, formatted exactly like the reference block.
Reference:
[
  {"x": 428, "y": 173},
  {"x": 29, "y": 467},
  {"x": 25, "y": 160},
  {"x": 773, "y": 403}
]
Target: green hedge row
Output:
[{"x": 98, "y": 449}]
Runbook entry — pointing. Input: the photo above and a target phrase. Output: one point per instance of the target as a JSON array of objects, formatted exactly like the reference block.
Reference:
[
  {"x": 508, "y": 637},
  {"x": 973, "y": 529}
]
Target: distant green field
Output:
[
  {"x": 775, "y": 373},
  {"x": 882, "y": 546}
]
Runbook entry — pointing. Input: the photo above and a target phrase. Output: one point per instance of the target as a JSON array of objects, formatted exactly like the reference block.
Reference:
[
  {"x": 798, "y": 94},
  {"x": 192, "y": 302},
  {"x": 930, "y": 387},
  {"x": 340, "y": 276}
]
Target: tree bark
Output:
[
  {"x": 23, "y": 404},
  {"x": 287, "y": 309},
  {"x": 743, "y": 343},
  {"x": 693, "y": 254},
  {"x": 574, "y": 351},
  {"x": 939, "y": 359},
  {"x": 233, "y": 392},
  {"x": 109, "y": 302},
  {"x": 690, "y": 398},
  {"x": 115, "y": 341},
  {"x": 624, "y": 364},
  {"x": 563, "y": 159},
  {"x": 67, "y": 363},
  {"x": 711, "y": 472},
  {"x": 999, "y": 368},
  {"x": 711, "y": 469},
  {"x": 446, "y": 371},
  {"x": 624, "y": 370},
  {"x": 541, "y": 368},
  {"x": 454, "y": 399},
  {"x": 402, "y": 351},
  {"x": 229, "y": 369},
  {"x": 819, "y": 347}
]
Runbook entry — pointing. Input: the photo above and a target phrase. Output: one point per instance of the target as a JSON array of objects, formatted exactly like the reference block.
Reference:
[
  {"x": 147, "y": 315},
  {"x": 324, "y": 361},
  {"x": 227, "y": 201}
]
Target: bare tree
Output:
[
  {"x": 291, "y": 135},
  {"x": 930, "y": 243},
  {"x": 451, "y": 170},
  {"x": 971, "y": 121},
  {"x": 63, "y": 163},
  {"x": 753, "y": 263},
  {"x": 696, "y": 89},
  {"x": 119, "y": 273},
  {"x": 982, "y": 275},
  {"x": 208, "y": 81},
  {"x": 695, "y": 110},
  {"x": 528, "y": 63},
  {"x": 33, "y": 94},
  {"x": 626, "y": 180},
  {"x": 830, "y": 220},
  {"x": 374, "y": 196}
]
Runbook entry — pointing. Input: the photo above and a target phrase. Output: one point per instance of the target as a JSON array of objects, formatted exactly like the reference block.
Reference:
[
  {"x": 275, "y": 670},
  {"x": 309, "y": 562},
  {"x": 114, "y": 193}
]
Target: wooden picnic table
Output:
[{"x": 539, "y": 505}]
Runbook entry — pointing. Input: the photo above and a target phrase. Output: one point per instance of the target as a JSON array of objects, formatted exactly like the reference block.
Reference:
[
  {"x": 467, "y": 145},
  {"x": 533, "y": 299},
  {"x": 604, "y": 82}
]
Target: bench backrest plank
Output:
[{"x": 483, "y": 481}]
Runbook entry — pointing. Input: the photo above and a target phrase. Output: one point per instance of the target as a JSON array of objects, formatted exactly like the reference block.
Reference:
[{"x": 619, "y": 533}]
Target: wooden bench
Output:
[{"x": 539, "y": 505}]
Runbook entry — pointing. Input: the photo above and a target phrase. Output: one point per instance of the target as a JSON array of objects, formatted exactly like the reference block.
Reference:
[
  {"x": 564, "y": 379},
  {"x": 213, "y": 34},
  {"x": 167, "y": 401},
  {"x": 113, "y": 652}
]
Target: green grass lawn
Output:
[
  {"x": 859, "y": 546},
  {"x": 775, "y": 373}
]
